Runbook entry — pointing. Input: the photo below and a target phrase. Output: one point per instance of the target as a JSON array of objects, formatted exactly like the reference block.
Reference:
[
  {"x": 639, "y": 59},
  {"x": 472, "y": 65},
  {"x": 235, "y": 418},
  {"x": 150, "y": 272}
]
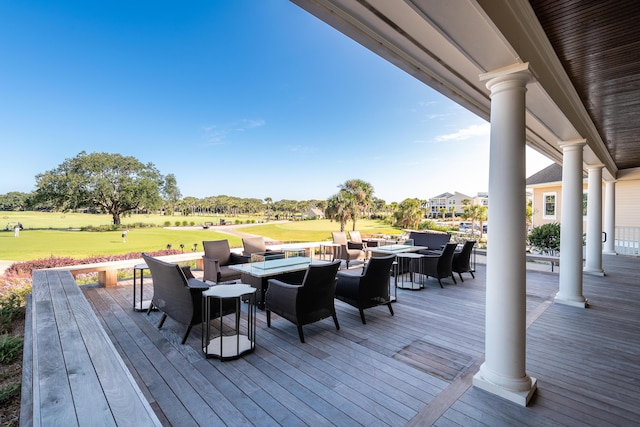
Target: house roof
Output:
[{"x": 552, "y": 173}]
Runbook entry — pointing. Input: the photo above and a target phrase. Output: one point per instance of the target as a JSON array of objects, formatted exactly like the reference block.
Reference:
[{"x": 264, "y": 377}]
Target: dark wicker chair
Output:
[
  {"x": 216, "y": 260},
  {"x": 368, "y": 289},
  {"x": 347, "y": 251},
  {"x": 461, "y": 260},
  {"x": 439, "y": 266},
  {"x": 305, "y": 303},
  {"x": 177, "y": 294}
]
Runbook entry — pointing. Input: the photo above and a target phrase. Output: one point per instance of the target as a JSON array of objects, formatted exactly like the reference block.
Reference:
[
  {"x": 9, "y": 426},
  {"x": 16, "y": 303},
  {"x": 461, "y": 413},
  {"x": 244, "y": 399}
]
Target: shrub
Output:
[
  {"x": 185, "y": 223},
  {"x": 23, "y": 269},
  {"x": 167, "y": 223},
  {"x": 10, "y": 348},
  {"x": 192, "y": 223},
  {"x": 9, "y": 392},
  {"x": 545, "y": 238},
  {"x": 11, "y": 307},
  {"x": 177, "y": 223}
]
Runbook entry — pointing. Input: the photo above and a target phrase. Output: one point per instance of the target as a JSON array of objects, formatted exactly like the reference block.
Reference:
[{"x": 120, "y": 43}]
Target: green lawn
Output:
[
  {"x": 40, "y": 220},
  {"x": 315, "y": 231},
  {"x": 50, "y": 234}
]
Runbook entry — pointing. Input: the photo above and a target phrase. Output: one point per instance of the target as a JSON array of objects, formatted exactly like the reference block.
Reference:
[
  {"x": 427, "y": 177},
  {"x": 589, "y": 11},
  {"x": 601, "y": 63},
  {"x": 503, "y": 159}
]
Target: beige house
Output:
[
  {"x": 448, "y": 201},
  {"x": 546, "y": 189}
]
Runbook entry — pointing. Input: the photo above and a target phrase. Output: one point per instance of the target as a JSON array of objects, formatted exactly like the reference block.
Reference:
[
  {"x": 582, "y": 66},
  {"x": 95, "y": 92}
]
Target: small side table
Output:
[
  {"x": 240, "y": 338},
  {"x": 141, "y": 304},
  {"x": 323, "y": 250},
  {"x": 412, "y": 261}
]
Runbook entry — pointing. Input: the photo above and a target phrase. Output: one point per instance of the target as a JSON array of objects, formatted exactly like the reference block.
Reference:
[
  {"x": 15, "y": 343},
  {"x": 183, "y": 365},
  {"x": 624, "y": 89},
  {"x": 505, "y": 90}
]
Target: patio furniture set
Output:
[{"x": 289, "y": 283}]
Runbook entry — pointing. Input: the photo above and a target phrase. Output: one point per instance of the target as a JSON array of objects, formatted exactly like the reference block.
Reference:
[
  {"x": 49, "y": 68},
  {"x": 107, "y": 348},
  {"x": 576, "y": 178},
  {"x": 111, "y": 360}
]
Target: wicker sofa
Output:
[{"x": 431, "y": 239}]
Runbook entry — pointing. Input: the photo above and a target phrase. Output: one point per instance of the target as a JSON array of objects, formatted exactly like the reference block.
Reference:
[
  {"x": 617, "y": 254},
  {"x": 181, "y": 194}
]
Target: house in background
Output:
[
  {"x": 546, "y": 189},
  {"x": 447, "y": 201},
  {"x": 546, "y": 195}
]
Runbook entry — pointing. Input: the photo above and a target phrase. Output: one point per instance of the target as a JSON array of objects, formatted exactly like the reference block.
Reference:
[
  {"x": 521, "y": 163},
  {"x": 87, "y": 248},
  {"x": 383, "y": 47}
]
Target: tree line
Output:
[{"x": 121, "y": 185}]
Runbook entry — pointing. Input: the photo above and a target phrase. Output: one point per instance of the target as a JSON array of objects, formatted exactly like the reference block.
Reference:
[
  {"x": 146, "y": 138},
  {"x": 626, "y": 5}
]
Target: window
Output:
[
  {"x": 584, "y": 203},
  {"x": 549, "y": 200}
]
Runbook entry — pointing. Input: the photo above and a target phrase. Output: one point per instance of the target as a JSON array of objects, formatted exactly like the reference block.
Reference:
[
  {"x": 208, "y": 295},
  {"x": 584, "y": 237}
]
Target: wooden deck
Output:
[{"x": 414, "y": 368}]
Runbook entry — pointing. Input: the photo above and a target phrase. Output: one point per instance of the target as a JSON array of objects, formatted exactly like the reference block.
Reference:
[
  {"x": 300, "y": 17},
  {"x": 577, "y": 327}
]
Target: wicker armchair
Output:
[
  {"x": 368, "y": 289},
  {"x": 216, "y": 259},
  {"x": 177, "y": 294},
  {"x": 254, "y": 245},
  {"x": 461, "y": 260},
  {"x": 347, "y": 251},
  {"x": 439, "y": 266},
  {"x": 305, "y": 303}
]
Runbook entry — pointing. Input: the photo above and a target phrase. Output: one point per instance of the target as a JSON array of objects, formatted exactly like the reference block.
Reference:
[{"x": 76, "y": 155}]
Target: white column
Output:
[
  {"x": 503, "y": 371},
  {"x": 570, "y": 292},
  {"x": 610, "y": 217},
  {"x": 593, "y": 263}
]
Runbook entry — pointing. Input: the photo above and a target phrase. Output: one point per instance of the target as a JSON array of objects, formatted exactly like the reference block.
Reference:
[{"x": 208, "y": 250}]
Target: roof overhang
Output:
[{"x": 449, "y": 45}]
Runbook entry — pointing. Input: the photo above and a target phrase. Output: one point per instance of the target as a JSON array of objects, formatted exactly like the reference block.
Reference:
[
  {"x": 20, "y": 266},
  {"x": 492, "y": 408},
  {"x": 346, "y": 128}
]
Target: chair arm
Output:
[
  {"x": 238, "y": 259},
  {"x": 348, "y": 285},
  {"x": 354, "y": 245},
  {"x": 211, "y": 263},
  {"x": 187, "y": 272},
  {"x": 281, "y": 294},
  {"x": 430, "y": 252},
  {"x": 196, "y": 284}
]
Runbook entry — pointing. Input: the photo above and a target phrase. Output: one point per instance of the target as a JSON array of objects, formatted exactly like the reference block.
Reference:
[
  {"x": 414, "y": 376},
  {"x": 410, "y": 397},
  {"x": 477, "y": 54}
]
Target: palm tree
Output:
[
  {"x": 339, "y": 208},
  {"x": 269, "y": 202},
  {"x": 408, "y": 214},
  {"x": 362, "y": 194}
]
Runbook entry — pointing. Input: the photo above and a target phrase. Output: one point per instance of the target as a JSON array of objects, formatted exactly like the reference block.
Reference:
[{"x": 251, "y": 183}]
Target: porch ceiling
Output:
[
  {"x": 598, "y": 43},
  {"x": 582, "y": 55}
]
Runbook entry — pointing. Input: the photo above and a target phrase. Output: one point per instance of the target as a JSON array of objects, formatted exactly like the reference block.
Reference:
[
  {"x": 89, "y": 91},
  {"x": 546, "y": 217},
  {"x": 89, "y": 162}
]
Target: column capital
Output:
[
  {"x": 595, "y": 166},
  {"x": 572, "y": 144},
  {"x": 514, "y": 72}
]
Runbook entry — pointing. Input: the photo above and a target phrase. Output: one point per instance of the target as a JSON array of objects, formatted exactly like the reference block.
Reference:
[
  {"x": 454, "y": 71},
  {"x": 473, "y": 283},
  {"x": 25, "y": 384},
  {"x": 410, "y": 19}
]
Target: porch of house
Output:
[{"x": 414, "y": 368}]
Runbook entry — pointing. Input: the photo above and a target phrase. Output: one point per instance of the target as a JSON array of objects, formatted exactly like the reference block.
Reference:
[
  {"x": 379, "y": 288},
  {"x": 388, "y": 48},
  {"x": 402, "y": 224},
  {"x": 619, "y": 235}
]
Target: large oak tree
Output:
[{"x": 112, "y": 183}]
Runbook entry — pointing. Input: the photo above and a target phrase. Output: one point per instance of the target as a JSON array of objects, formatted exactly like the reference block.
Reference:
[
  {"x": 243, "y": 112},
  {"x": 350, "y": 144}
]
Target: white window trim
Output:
[{"x": 544, "y": 205}]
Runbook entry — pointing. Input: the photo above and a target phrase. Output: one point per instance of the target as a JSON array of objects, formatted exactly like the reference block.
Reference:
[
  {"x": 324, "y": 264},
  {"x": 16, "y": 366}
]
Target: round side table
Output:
[{"x": 229, "y": 341}]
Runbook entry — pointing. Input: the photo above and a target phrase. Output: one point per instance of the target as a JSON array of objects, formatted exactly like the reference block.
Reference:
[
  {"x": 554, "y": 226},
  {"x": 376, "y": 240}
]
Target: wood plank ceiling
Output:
[{"x": 598, "y": 43}]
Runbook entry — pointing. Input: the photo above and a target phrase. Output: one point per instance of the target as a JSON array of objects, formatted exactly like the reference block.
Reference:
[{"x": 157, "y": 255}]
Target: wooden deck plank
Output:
[
  {"x": 354, "y": 377},
  {"x": 78, "y": 362},
  {"x": 53, "y": 400}
]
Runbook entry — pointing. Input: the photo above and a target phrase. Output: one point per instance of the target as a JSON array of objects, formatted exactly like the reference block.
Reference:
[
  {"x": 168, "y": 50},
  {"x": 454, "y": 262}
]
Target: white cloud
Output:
[
  {"x": 217, "y": 135},
  {"x": 466, "y": 133}
]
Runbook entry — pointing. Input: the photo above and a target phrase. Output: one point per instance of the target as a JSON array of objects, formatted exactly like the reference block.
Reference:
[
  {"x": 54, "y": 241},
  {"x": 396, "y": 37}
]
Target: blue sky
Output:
[{"x": 245, "y": 98}]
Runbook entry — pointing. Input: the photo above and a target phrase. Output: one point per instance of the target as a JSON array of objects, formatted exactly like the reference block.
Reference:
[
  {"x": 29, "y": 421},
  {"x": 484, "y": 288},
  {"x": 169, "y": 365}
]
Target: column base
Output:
[
  {"x": 594, "y": 272},
  {"x": 609, "y": 253},
  {"x": 573, "y": 302},
  {"x": 520, "y": 397}
]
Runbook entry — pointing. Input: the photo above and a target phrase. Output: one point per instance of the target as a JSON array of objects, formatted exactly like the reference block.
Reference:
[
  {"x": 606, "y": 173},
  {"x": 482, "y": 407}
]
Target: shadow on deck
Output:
[{"x": 414, "y": 368}]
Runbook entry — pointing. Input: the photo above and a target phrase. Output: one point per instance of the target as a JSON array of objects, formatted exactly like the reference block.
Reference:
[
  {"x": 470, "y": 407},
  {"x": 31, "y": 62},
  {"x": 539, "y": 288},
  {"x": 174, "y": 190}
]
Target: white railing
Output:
[{"x": 628, "y": 240}]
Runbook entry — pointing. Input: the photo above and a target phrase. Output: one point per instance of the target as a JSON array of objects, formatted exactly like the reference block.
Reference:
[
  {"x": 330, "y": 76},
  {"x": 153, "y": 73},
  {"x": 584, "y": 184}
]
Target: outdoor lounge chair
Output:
[
  {"x": 254, "y": 245},
  {"x": 305, "y": 303},
  {"x": 460, "y": 263},
  {"x": 368, "y": 289},
  {"x": 177, "y": 294},
  {"x": 356, "y": 239},
  {"x": 439, "y": 266},
  {"x": 346, "y": 251},
  {"x": 216, "y": 260}
]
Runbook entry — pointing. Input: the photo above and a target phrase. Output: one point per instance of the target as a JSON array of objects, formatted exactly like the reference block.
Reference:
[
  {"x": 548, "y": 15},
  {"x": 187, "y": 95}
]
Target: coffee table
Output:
[{"x": 257, "y": 274}]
